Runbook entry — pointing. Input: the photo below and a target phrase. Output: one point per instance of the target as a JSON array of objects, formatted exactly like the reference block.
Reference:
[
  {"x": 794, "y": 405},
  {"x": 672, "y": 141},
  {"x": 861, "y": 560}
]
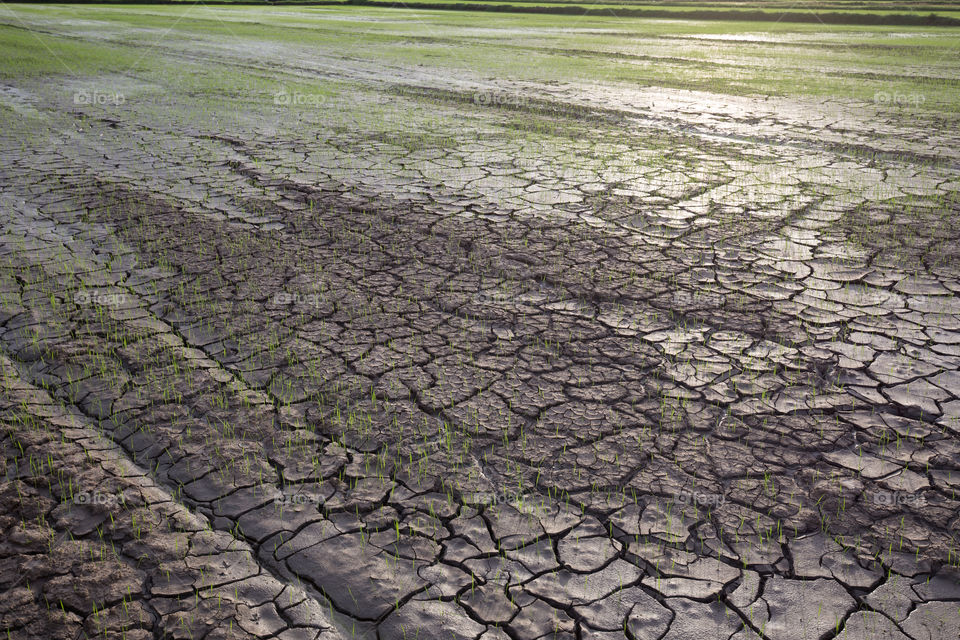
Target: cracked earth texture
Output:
[{"x": 304, "y": 340}]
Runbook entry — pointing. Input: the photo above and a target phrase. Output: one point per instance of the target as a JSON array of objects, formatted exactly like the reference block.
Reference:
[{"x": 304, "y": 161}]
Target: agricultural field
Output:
[
  {"x": 870, "y": 12},
  {"x": 335, "y": 322}
]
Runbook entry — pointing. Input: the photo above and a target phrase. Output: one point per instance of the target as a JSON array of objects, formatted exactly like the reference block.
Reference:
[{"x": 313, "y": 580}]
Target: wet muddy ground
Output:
[{"x": 362, "y": 323}]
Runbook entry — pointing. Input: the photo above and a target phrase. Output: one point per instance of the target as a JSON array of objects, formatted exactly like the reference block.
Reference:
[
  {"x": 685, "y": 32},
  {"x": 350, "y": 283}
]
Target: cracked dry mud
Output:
[{"x": 395, "y": 366}]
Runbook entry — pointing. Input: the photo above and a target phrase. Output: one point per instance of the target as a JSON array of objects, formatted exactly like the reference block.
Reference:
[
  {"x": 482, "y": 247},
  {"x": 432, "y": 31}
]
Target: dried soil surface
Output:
[{"x": 431, "y": 355}]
